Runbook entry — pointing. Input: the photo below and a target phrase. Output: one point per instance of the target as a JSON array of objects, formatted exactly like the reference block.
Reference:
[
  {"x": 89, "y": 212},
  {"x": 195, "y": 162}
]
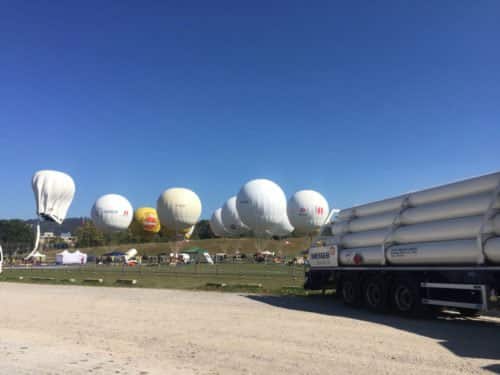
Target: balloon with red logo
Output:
[
  {"x": 112, "y": 213},
  {"x": 307, "y": 211},
  {"x": 146, "y": 222}
]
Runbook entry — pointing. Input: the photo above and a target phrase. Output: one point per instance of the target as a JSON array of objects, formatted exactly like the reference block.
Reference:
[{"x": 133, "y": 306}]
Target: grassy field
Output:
[{"x": 273, "y": 278}]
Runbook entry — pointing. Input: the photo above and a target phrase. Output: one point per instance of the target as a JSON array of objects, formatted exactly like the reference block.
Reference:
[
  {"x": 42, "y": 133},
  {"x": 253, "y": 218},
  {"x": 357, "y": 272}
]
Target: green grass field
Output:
[{"x": 274, "y": 278}]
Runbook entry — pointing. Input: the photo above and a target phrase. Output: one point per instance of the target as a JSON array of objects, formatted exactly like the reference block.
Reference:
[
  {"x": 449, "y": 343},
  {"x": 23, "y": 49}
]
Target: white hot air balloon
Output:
[
  {"x": 178, "y": 209},
  {"x": 307, "y": 211},
  {"x": 261, "y": 205},
  {"x": 284, "y": 228},
  {"x": 112, "y": 213},
  {"x": 216, "y": 224},
  {"x": 231, "y": 220},
  {"x": 54, "y": 192}
]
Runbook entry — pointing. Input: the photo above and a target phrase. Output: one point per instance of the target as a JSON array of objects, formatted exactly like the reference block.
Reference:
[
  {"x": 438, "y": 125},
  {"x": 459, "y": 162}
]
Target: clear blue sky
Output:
[{"x": 359, "y": 100}]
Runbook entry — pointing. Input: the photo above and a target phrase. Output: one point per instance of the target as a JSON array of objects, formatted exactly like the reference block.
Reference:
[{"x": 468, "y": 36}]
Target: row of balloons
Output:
[
  {"x": 260, "y": 206},
  {"x": 178, "y": 209}
]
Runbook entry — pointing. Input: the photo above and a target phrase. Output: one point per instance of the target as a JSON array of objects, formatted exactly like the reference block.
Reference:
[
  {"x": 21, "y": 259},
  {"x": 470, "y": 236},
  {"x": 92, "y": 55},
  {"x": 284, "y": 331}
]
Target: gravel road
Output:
[{"x": 94, "y": 330}]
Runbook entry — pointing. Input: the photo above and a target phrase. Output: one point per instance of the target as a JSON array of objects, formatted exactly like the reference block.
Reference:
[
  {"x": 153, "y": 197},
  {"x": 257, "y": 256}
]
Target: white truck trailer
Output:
[{"x": 427, "y": 250}]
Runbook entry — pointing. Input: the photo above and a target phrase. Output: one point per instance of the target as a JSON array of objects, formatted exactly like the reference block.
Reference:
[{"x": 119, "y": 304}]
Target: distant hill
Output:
[{"x": 69, "y": 225}]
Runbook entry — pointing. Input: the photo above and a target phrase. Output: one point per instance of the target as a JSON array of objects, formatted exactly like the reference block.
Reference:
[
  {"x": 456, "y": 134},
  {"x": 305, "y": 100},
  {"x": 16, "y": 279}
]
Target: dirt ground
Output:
[{"x": 95, "y": 330}]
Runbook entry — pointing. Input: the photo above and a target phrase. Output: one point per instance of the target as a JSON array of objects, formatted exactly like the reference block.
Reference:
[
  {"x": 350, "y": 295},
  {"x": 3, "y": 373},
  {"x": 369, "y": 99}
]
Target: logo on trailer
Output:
[
  {"x": 358, "y": 259},
  {"x": 320, "y": 255}
]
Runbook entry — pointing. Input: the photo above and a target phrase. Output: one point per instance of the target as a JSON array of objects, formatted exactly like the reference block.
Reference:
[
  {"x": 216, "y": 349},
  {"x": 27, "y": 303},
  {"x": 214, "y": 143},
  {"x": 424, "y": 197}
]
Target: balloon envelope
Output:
[
  {"x": 307, "y": 211},
  {"x": 178, "y": 209},
  {"x": 261, "y": 205},
  {"x": 182, "y": 234},
  {"x": 190, "y": 232},
  {"x": 284, "y": 228},
  {"x": 216, "y": 224},
  {"x": 146, "y": 221},
  {"x": 54, "y": 192},
  {"x": 112, "y": 213},
  {"x": 231, "y": 220}
]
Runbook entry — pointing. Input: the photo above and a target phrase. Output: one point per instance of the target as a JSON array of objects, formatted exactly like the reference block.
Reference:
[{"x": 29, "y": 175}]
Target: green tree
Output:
[
  {"x": 88, "y": 235},
  {"x": 121, "y": 237},
  {"x": 202, "y": 230},
  {"x": 16, "y": 235}
]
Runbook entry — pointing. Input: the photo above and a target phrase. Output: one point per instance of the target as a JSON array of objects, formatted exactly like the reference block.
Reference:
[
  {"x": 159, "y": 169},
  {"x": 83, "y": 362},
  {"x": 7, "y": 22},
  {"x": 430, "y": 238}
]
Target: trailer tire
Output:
[
  {"x": 375, "y": 294},
  {"x": 406, "y": 299},
  {"x": 351, "y": 291}
]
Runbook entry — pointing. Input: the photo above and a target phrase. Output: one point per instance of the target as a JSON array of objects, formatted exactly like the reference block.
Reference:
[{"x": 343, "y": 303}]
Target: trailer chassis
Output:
[{"x": 412, "y": 290}]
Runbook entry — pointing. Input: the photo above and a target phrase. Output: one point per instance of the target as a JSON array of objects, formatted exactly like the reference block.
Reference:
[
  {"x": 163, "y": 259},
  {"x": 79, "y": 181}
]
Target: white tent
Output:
[
  {"x": 38, "y": 256},
  {"x": 267, "y": 253},
  {"x": 75, "y": 257}
]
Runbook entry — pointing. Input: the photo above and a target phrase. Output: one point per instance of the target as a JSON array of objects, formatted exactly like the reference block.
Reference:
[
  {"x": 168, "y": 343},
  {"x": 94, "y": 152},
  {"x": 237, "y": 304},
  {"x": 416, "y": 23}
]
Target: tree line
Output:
[
  {"x": 18, "y": 235},
  {"x": 88, "y": 235}
]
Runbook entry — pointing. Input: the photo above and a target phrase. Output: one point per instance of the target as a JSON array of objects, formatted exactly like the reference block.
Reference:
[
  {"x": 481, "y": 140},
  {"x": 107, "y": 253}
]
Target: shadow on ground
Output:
[
  {"x": 473, "y": 338},
  {"x": 493, "y": 368}
]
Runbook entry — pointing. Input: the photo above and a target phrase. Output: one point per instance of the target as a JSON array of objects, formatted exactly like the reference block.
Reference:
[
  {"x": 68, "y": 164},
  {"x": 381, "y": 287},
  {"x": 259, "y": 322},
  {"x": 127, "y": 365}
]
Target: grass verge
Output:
[{"x": 265, "y": 279}]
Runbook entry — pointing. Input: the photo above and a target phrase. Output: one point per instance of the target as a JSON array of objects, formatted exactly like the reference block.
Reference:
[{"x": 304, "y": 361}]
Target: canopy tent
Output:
[
  {"x": 66, "y": 257},
  {"x": 267, "y": 253},
  {"x": 199, "y": 255},
  {"x": 194, "y": 250}
]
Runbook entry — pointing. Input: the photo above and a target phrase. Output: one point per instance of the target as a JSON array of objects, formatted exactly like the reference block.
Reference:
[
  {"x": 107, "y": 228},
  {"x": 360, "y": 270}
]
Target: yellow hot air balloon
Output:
[{"x": 146, "y": 222}]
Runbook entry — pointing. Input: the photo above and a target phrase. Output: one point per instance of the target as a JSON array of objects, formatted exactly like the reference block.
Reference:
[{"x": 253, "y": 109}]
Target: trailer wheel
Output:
[
  {"x": 351, "y": 291},
  {"x": 406, "y": 298},
  {"x": 375, "y": 294}
]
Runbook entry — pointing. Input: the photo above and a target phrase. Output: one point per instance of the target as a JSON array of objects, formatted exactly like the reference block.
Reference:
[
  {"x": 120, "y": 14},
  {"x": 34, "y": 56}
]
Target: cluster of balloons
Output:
[
  {"x": 261, "y": 206},
  {"x": 177, "y": 209}
]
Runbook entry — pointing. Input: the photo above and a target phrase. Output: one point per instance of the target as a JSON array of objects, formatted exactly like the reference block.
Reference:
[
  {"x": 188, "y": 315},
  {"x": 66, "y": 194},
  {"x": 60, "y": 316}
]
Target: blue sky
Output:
[{"x": 359, "y": 100}]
